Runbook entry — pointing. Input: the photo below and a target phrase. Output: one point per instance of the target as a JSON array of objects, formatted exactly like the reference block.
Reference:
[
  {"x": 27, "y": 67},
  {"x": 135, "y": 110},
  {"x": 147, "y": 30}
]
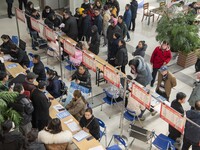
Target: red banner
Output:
[
  {"x": 69, "y": 48},
  {"x": 35, "y": 24},
  {"x": 49, "y": 34},
  {"x": 20, "y": 15},
  {"x": 111, "y": 76},
  {"x": 141, "y": 96},
  {"x": 172, "y": 117},
  {"x": 89, "y": 61}
]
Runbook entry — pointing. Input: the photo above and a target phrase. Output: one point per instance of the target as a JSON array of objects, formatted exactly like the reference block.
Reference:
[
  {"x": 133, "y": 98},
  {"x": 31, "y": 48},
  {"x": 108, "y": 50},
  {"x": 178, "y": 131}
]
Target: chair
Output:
[
  {"x": 52, "y": 53},
  {"x": 31, "y": 60},
  {"x": 22, "y": 45},
  {"x": 128, "y": 115},
  {"x": 15, "y": 39},
  {"x": 70, "y": 67},
  {"x": 162, "y": 142},
  {"x": 162, "y": 4},
  {"x": 102, "y": 132},
  {"x": 116, "y": 146},
  {"x": 147, "y": 13}
]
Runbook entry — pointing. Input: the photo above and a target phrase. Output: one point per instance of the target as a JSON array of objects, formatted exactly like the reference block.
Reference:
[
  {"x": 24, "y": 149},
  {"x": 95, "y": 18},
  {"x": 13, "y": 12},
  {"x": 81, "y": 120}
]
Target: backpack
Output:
[{"x": 63, "y": 87}]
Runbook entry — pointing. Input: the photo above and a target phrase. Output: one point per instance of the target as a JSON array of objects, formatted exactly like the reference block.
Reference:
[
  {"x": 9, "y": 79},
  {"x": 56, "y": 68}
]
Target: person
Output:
[
  {"x": 95, "y": 40},
  {"x": 77, "y": 106},
  {"x": 54, "y": 137},
  {"x": 140, "y": 70},
  {"x": 90, "y": 124},
  {"x": 166, "y": 81},
  {"x": 38, "y": 68},
  {"x": 133, "y": 7},
  {"x": 191, "y": 134},
  {"x": 115, "y": 4},
  {"x": 177, "y": 105},
  {"x": 11, "y": 138},
  {"x": 9, "y": 8},
  {"x": 82, "y": 77},
  {"x": 140, "y": 49},
  {"x": 32, "y": 143},
  {"x": 98, "y": 4},
  {"x": 86, "y": 5},
  {"x": 127, "y": 19},
  {"x": 4, "y": 81},
  {"x": 70, "y": 27},
  {"x": 24, "y": 107},
  {"x": 53, "y": 21},
  {"x": 47, "y": 12},
  {"x": 54, "y": 84},
  {"x": 160, "y": 56},
  {"x": 106, "y": 18},
  {"x": 29, "y": 8},
  {"x": 122, "y": 25},
  {"x": 195, "y": 95},
  {"x": 5, "y": 47},
  {"x": 41, "y": 104},
  {"x": 19, "y": 56},
  {"x": 98, "y": 20},
  {"x": 78, "y": 57},
  {"x": 86, "y": 25},
  {"x": 2, "y": 65},
  {"x": 21, "y": 2},
  {"x": 122, "y": 56},
  {"x": 28, "y": 83}
]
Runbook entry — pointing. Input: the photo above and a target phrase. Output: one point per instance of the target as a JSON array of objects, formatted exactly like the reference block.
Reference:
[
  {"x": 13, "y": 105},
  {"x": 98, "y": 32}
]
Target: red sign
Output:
[
  {"x": 111, "y": 76},
  {"x": 35, "y": 24},
  {"x": 20, "y": 15},
  {"x": 49, "y": 34},
  {"x": 172, "y": 117},
  {"x": 139, "y": 94},
  {"x": 89, "y": 61},
  {"x": 69, "y": 48}
]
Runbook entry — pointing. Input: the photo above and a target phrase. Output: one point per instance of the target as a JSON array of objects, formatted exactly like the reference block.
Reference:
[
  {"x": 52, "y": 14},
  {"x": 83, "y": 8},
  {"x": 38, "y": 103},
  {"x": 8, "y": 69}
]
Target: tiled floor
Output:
[{"x": 185, "y": 77}]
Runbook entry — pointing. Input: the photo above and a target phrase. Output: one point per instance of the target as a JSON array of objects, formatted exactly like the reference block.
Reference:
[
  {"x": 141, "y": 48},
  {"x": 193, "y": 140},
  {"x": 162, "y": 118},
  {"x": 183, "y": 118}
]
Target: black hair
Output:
[
  {"x": 18, "y": 88},
  {"x": 3, "y": 74},
  {"x": 120, "y": 16},
  {"x": 47, "y": 7},
  {"x": 66, "y": 11},
  {"x": 165, "y": 42},
  {"x": 97, "y": 10},
  {"x": 134, "y": 62},
  {"x": 84, "y": 12},
  {"x": 117, "y": 35},
  {"x": 129, "y": 77},
  {"x": 4, "y": 36},
  {"x": 180, "y": 96},
  {"x": 197, "y": 105},
  {"x": 54, "y": 126},
  {"x": 52, "y": 72},
  {"x": 122, "y": 41},
  {"x": 29, "y": 5},
  {"x": 36, "y": 57},
  {"x": 89, "y": 110},
  {"x": 128, "y": 5},
  {"x": 143, "y": 43},
  {"x": 42, "y": 85}
]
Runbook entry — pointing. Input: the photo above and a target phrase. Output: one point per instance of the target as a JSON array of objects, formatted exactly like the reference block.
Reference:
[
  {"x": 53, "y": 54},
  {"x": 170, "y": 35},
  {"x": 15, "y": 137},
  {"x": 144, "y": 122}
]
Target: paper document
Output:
[
  {"x": 11, "y": 66},
  {"x": 58, "y": 107},
  {"x": 7, "y": 57},
  {"x": 97, "y": 148},
  {"x": 63, "y": 114},
  {"x": 80, "y": 135},
  {"x": 73, "y": 126}
]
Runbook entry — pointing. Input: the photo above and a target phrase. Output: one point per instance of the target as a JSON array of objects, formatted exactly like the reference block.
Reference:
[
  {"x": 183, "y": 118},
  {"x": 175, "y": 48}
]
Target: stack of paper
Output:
[
  {"x": 97, "y": 148},
  {"x": 58, "y": 107},
  {"x": 7, "y": 57},
  {"x": 63, "y": 114},
  {"x": 80, "y": 135},
  {"x": 73, "y": 126},
  {"x": 11, "y": 66}
]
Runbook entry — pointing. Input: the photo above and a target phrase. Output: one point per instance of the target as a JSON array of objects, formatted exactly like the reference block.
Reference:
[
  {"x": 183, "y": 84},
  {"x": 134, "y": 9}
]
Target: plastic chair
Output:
[
  {"x": 162, "y": 142},
  {"x": 162, "y": 4},
  {"x": 15, "y": 39},
  {"x": 147, "y": 13},
  {"x": 128, "y": 115},
  {"x": 31, "y": 60},
  {"x": 116, "y": 146},
  {"x": 102, "y": 132}
]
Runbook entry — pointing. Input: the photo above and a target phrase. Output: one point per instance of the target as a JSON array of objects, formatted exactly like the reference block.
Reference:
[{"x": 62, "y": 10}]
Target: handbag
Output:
[{"x": 84, "y": 42}]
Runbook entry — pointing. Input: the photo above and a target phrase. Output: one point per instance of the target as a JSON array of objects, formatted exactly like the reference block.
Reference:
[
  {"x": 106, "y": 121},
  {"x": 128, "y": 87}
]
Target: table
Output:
[{"x": 82, "y": 145}]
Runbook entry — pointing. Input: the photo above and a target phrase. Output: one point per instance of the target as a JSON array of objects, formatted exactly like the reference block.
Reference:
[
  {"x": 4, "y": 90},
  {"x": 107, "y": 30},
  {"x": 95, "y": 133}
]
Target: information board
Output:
[
  {"x": 69, "y": 48},
  {"x": 35, "y": 24},
  {"x": 89, "y": 61},
  {"x": 49, "y": 34},
  {"x": 20, "y": 15}
]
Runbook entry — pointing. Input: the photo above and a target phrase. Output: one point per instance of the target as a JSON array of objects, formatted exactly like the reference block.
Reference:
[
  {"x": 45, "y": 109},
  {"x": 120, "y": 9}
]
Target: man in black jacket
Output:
[
  {"x": 23, "y": 106},
  {"x": 123, "y": 26},
  {"x": 95, "y": 40},
  {"x": 41, "y": 104},
  {"x": 38, "y": 68},
  {"x": 86, "y": 25},
  {"x": 70, "y": 27},
  {"x": 5, "y": 47},
  {"x": 98, "y": 20},
  {"x": 133, "y": 7}
]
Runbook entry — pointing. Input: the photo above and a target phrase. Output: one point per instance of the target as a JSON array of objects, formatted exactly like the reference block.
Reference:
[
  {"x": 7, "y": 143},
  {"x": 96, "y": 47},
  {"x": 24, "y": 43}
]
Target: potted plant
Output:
[{"x": 182, "y": 35}]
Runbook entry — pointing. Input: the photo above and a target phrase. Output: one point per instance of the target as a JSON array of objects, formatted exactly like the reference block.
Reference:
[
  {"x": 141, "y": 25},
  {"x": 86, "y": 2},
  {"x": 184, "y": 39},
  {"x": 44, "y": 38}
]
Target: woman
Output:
[
  {"x": 98, "y": 5},
  {"x": 47, "y": 12},
  {"x": 54, "y": 86},
  {"x": 90, "y": 124},
  {"x": 29, "y": 8},
  {"x": 77, "y": 106},
  {"x": 140, "y": 49},
  {"x": 3, "y": 81},
  {"x": 6, "y": 45},
  {"x": 95, "y": 40},
  {"x": 54, "y": 137}
]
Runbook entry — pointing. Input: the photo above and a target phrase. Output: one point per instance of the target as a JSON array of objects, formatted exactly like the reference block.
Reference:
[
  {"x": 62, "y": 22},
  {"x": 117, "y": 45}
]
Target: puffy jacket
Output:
[
  {"x": 86, "y": 25},
  {"x": 134, "y": 7},
  {"x": 98, "y": 21},
  {"x": 195, "y": 95},
  {"x": 140, "y": 51},
  {"x": 95, "y": 41},
  {"x": 6, "y": 47},
  {"x": 124, "y": 29},
  {"x": 121, "y": 56},
  {"x": 127, "y": 17},
  {"x": 111, "y": 30},
  {"x": 159, "y": 57},
  {"x": 40, "y": 71},
  {"x": 54, "y": 87}
]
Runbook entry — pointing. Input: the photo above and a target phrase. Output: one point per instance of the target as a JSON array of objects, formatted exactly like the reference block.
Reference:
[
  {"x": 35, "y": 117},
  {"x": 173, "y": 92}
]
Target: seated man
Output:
[
  {"x": 52, "y": 21},
  {"x": 82, "y": 77},
  {"x": 7, "y": 42}
]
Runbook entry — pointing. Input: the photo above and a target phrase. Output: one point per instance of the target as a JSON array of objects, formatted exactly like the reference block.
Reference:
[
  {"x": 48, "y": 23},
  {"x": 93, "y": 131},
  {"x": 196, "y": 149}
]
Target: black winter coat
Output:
[
  {"x": 86, "y": 26},
  {"x": 98, "y": 21},
  {"x": 52, "y": 23},
  {"x": 123, "y": 28},
  {"x": 95, "y": 41},
  {"x": 111, "y": 30},
  {"x": 45, "y": 14},
  {"x": 140, "y": 51},
  {"x": 54, "y": 87},
  {"x": 134, "y": 7},
  {"x": 6, "y": 47},
  {"x": 9, "y": 1},
  {"x": 21, "y": 57},
  {"x": 40, "y": 71},
  {"x": 121, "y": 57},
  {"x": 85, "y": 6}
]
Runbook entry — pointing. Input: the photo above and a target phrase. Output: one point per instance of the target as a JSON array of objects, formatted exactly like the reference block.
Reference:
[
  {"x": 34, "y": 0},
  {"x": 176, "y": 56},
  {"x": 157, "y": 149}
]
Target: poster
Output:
[
  {"x": 89, "y": 61},
  {"x": 69, "y": 48},
  {"x": 35, "y": 24},
  {"x": 172, "y": 117},
  {"x": 20, "y": 15},
  {"x": 140, "y": 95},
  {"x": 49, "y": 34},
  {"x": 111, "y": 76}
]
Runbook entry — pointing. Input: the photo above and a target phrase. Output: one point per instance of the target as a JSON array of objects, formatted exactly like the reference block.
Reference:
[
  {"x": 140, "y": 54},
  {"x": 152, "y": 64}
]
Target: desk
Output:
[
  {"x": 15, "y": 70},
  {"x": 82, "y": 145}
]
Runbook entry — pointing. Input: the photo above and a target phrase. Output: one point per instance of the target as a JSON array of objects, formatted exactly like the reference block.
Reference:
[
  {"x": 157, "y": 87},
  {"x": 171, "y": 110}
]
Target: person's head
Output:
[
  {"x": 31, "y": 76},
  {"x": 98, "y": 3},
  {"x": 113, "y": 21},
  {"x": 134, "y": 63},
  {"x": 86, "y": 1},
  {"x": 51, "y": 73},
  {"x": 182, "y": 3},
  {"x": 34, "y": 12},
  {"x": 141, "y": 44},
  {"x": 84, "y": 13},
  {"x": 164, "y": 45},
  {"x": 127, "y": 7},
  {"x": 197, "y": 105},
  {"x": 42, "y": 85},
  {"x": 88, "y": 113},
  {"x": 18, "y": 88},
  {"x": 81, "y": 69},
  {"x": 94, "y": 29},
  {"x": 66, "y": 14},
  {"x": 3, "y": 76},
  {"x": 96, "y": 12},
  {"x": 54, "y": 126},
  {"x": 121, "y": 42},
  {"x": 180, "y": 97},
  {"x": 116, "y": 35},
  {"x": 77, "y": 94},
  {"x": 32, "y": 135},
  {"x": 80, "y": 11},
  {"x": 7, "y": 126},
  {"x": 36, "y": 59},
  {"x": 120, "y": 19},
  {"x": 47, "y": 9},
  {"x": 105, "y": 7},
  {"x": 163, "y": 70},
  {"x": 5, "y": 38},
  {"x": 29, "y": 5}
]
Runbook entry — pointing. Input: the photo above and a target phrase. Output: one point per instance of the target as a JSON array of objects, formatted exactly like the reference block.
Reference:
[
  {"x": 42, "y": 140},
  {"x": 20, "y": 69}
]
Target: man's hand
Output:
[{"x": 78, "y": 81}]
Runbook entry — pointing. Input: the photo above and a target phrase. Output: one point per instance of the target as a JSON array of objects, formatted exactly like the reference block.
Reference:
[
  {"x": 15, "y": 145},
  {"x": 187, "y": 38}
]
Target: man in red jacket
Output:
[{"x": 160, "y": 56}]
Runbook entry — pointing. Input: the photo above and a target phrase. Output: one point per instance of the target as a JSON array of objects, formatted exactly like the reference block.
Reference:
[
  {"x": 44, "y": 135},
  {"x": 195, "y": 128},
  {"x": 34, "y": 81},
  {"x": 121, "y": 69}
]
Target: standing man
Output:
[
  {"x": 21, "y": 3},
  {"x": 9, "y": 8},
  {"x": 166, "y": 81},
  {"x": 192, "y": 132},
  {"x": 123, "y": 26},
  {"x": 133, "y": 7},
  {"x": 127, "y": 19},
  {"x": 98, "y": 20},
  {"x": 160, "y": 56},
  {"x": 86, "y": 5},
  {"x": 177, "y": 105}
]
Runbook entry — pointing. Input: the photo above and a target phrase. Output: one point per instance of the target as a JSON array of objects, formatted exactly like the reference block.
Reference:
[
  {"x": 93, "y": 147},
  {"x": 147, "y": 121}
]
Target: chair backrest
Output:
[
  {"x": 120, "y": 139},
  {"x": 162, "y": 4},
  {"x": 22, "y": 45},
  {"x": 131, "y": 112},
  {"x": 101, "y": 123},
  {"x": 31, "y": 55},
  {"x": 15, "y": 39},
  {"x": 145, "y": 7}
]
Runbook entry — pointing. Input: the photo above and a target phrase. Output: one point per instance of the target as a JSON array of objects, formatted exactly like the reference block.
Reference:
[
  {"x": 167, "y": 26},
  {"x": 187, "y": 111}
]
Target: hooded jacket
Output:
[
  {"x": 111, "y": 30},
  {"x": 134, "y": 7},
  {"x": 95, "y": 41},
  {"x": 140, "y": 51},
  {"x": 195, "y": 95},
  {"x": 121, "y": 56}
]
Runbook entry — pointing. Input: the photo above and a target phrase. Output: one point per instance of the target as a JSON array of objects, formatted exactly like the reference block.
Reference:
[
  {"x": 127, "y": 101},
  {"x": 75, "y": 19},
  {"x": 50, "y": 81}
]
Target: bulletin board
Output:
[
  {"x": 20, "y": 15},
  {"x": 89, "y": 61},
  {"x": 35, "y": 24}
]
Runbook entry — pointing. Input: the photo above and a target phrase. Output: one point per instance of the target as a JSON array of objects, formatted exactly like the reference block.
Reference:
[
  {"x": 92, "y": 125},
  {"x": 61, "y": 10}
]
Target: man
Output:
[
  {"x": 82, "y": 77},
  {"x": 123, "y": 26},
  {"x": 21, "y": 2},
  {"x": 28, "y": 84},
  {"x": 160, "y": 56},
  {"x": 133, "y": 7},
  {"x": 9, "y": 8},
  {"x": 38, "y": 68},
  {"x": 166, "y": 81},
  {"x": 98, "y": 20},
  {"x": 86, "y": 25},
  {"x": 69, "y": 27},
  {"x": 25, "y": 108},
  {"x": 127, "y": 19},
  {"x": 41, "y": 104},
  {"x": 191, "y": 134},
  {"x": 177, "y": 105},
  {"x": 86, "y": 5},
  {"x": 52, "y": 21}
]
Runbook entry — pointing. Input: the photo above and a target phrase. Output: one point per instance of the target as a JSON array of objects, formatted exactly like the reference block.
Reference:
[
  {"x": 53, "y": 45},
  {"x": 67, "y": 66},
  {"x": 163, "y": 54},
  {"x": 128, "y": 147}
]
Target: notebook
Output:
[
  {"x": 58, "y": 107},
  {"x": 73, "y": 126},
  {"x": 11, "y": 66},
  {"x": 63, "y": 114},
  {"x": 80, "y": 135}
]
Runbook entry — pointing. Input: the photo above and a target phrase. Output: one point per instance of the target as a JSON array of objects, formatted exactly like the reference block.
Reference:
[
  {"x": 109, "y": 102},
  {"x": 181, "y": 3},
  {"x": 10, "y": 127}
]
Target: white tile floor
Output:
[{"x": 142, "y": 32}]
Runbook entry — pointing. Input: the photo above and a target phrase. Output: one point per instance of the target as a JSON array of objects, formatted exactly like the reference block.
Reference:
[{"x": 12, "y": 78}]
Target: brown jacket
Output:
[
  {"x": 76, "y": 108},
  {"x": 169, "y": 83},
  {"x": 63, "y": 146}
]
